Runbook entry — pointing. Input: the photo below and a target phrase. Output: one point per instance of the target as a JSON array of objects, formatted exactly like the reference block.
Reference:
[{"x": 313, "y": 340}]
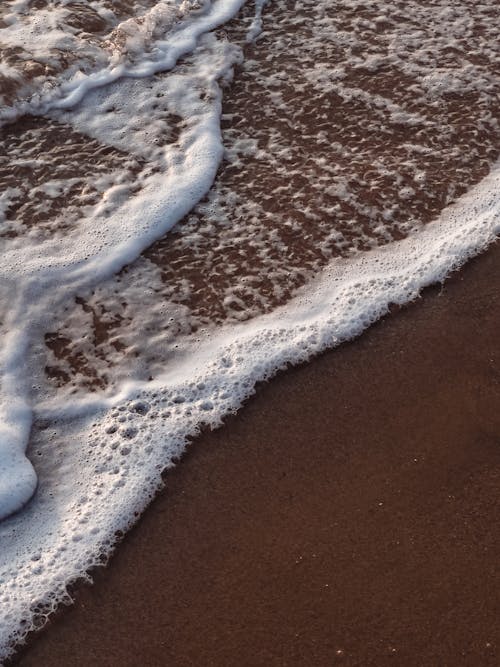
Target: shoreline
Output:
[{"x": 345, "y": 514}]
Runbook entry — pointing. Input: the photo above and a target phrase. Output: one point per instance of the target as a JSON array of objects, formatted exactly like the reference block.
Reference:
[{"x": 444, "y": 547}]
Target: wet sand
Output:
[{"x": 347, "y": 515}]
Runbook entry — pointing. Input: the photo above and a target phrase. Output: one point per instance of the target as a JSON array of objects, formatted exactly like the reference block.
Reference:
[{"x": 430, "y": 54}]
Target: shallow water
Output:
[{"x": 315, "y": 172}]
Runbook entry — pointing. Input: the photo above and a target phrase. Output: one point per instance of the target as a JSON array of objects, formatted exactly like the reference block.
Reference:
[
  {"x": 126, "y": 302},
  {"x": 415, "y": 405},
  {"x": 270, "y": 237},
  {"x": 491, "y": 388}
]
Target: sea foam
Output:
[{"x": 43, "y": 273}]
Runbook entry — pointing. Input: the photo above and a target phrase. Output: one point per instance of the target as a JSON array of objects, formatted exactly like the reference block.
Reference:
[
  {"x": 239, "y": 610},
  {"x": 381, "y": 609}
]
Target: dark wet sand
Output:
[{"x": 347, "y": 515}]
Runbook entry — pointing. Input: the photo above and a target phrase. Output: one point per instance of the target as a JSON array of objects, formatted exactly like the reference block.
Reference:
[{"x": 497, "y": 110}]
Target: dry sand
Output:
[{"x": 348, "y": 514}]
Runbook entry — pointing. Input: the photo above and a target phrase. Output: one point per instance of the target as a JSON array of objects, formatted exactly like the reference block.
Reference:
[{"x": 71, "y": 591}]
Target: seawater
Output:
[{"x": 319, "y": 162}]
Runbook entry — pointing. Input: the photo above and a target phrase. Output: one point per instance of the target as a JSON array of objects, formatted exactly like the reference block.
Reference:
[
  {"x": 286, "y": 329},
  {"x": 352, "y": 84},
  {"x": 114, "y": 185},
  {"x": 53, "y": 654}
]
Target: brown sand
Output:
[{"x": 348, "y": 514}]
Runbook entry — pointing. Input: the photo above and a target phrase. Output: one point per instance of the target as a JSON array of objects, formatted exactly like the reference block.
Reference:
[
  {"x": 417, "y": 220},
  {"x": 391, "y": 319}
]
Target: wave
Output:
[{"x": 120, "y": 145}]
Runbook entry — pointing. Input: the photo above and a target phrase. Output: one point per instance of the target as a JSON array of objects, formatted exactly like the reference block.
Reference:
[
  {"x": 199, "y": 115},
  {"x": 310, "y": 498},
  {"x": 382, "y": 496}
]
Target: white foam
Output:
[
  {"x": 154, "y": 44},
  {"x": 44, "y": 272}
]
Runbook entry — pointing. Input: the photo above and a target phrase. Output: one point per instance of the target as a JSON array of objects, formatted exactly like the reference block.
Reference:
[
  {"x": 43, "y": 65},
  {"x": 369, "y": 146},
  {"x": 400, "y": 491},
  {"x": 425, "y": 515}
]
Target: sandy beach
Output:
[{"x": 347, "y": 515}]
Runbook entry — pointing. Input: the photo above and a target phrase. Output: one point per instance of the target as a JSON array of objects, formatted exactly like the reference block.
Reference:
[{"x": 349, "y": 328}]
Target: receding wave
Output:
[{"x": 319, "y": 162}]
